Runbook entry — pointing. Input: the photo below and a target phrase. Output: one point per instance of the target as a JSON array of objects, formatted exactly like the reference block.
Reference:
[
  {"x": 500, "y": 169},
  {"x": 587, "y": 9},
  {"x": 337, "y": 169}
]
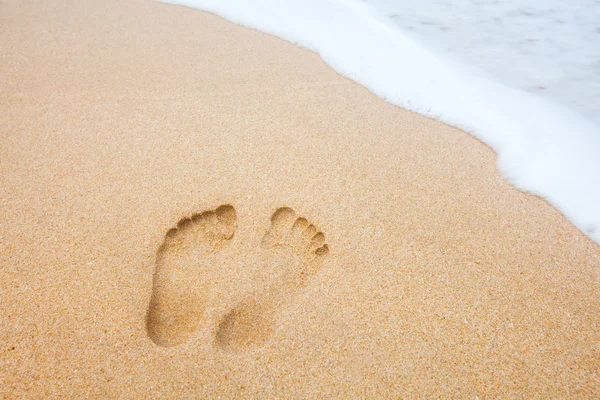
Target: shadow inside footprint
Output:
[
  {"x": 299, "y": 249},
  {"x": 184, "y": 264},
  {"x": 249, "y": 323}
]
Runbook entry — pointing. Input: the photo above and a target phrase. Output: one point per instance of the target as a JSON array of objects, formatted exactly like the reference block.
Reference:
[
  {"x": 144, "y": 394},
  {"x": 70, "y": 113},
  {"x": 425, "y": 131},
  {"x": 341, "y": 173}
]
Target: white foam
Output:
[
  {"x": 542, "y": 147},
  {"x": 550, "y": 48}
]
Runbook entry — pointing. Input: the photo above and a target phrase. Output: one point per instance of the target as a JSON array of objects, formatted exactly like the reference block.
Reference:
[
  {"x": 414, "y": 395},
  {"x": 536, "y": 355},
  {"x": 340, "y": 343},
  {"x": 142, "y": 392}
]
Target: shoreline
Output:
[{"x": 526, "y": 130}]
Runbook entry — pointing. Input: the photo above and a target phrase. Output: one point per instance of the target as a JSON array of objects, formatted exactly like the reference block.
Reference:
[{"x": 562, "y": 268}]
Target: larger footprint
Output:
[
  {"x": 297, "y": 249},
  {"x": 184, "y": 264}
]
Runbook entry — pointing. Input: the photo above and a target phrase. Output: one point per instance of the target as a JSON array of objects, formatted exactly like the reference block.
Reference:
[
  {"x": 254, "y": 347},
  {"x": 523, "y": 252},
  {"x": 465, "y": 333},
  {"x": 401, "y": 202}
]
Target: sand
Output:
[{"x": 192, "y": 209}]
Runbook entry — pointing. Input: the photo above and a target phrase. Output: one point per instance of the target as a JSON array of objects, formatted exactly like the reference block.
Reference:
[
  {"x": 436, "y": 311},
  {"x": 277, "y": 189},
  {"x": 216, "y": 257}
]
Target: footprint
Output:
[
  {"x": 184, "y": 264},
  {"x": 295, "y": 249}
]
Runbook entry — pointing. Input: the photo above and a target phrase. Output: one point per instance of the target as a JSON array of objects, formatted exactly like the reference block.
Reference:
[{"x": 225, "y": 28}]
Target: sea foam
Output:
[{"x": 542, "y": 148}]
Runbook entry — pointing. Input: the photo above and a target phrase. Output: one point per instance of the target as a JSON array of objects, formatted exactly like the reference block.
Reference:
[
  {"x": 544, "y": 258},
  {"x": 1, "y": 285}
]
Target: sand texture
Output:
[{"x": 192, "y": 209}]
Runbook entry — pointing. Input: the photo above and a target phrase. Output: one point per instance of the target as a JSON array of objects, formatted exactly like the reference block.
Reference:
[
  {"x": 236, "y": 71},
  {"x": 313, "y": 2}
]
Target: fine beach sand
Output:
[{"x": 192, "y": 209}]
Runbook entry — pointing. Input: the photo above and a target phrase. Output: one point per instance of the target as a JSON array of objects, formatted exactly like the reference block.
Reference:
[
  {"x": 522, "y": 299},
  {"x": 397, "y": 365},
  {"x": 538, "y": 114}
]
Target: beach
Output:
[{"x": 193, "y": 209}]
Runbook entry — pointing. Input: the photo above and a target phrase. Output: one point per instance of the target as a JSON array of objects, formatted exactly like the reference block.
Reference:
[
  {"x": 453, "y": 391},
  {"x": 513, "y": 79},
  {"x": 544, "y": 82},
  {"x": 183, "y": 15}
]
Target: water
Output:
[
  {"x": 547, "y": 47},
  {"x": 520, "y": 76}
]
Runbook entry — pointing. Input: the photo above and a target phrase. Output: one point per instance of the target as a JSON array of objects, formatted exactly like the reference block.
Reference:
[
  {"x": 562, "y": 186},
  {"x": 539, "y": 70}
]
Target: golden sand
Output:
[{"x": 194, "y": 209}]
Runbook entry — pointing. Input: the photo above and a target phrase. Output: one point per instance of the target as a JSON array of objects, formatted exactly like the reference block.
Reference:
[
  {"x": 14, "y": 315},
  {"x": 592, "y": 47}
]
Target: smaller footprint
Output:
[
  {"x": 294, "y": 248},
  {"x": 185, "y": 263}
]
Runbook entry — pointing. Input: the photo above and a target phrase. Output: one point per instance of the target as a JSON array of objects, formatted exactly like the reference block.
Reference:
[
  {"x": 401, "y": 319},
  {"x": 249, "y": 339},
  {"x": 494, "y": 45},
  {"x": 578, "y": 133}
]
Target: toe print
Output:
[{"x": 296, "y": 233}]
